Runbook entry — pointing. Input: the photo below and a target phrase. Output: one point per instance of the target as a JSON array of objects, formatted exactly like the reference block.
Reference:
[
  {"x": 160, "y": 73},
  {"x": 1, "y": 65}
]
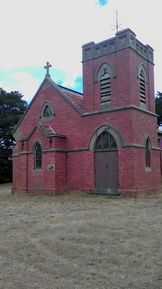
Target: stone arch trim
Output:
[
  {"x": 142, "y": 67},
  {"x": 47, "y": 103},
  {"x": 148, "y": 148},
  {"x": 34, "y": 144},
  {"x": 37, "y": 156},
  {"x": 147, "y": 138},
  {"x": 112, "y": 130},
  {"x": 109, "y": 68}
]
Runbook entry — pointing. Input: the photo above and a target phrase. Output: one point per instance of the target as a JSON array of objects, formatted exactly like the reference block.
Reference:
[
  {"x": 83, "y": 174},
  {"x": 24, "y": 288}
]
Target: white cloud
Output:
[
  {"x": 33, "y": 32},
  {"x": 25, "y": 83},
  {"x": 69, "y": 82}
]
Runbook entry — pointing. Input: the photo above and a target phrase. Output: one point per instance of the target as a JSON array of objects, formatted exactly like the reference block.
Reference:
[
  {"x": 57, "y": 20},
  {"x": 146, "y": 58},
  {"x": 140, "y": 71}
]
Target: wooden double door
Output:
[{"x": 106, "y": 170}]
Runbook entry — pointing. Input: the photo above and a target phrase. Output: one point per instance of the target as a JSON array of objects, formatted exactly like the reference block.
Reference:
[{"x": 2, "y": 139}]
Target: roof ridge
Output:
[{"x": 69, "y": 89}]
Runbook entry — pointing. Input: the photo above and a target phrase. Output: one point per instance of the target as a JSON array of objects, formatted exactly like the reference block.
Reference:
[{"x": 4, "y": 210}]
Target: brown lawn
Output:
[{"x": 77, "y": 242}]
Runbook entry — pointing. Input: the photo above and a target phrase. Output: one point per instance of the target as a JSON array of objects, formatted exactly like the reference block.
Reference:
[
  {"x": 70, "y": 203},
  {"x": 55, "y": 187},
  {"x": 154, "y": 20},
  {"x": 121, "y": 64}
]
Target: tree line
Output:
[
  {"x": 158, "y": 107},
  {"x": 12, "y": 107}
]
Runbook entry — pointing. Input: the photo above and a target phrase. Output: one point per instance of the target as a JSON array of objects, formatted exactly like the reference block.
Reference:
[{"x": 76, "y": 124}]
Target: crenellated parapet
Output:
[{"x": 123, "y": 39}]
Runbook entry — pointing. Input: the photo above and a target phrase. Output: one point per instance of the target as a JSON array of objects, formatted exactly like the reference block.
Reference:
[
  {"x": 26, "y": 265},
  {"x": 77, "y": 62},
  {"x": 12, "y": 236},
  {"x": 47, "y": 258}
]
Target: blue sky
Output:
[{"x": 36, "y": 31}]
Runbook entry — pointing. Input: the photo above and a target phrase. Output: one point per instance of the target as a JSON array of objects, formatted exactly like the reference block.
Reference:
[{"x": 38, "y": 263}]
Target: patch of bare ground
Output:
[{"x": 80, "y": 241}]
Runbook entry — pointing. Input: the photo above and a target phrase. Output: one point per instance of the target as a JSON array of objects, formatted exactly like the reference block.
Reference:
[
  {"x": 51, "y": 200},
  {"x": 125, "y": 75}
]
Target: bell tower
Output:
[{"x": 118, "y": 72}]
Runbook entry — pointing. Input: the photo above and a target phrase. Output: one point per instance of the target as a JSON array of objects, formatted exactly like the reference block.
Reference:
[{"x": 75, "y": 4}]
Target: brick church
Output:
[{"x": 102, "y": 141}]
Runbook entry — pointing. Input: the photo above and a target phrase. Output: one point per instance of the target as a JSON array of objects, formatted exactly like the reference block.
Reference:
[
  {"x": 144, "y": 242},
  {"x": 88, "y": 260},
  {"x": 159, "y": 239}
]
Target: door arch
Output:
[{"x": 106, "y": 163}]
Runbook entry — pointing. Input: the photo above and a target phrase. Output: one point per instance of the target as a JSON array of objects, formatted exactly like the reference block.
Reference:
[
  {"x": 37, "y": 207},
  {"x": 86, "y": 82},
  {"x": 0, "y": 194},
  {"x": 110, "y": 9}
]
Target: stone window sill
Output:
[{"x": 148, "y": 169}]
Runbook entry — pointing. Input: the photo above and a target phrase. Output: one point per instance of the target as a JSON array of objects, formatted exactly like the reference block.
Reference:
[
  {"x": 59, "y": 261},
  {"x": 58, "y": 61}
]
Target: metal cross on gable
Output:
[{"x": 47, "y": 67}]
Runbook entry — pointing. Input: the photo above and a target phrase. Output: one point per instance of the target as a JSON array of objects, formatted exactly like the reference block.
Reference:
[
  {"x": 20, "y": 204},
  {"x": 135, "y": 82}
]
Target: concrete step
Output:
[{"x": 106, "y": 192}]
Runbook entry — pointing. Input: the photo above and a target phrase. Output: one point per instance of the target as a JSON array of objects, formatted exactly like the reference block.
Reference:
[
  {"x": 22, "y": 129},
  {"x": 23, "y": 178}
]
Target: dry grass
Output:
[{"x": 81, "y": 242}]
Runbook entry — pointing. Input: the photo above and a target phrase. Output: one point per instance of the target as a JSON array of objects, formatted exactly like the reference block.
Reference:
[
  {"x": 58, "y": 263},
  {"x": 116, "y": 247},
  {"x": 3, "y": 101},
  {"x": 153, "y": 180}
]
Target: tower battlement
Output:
[{"x": 123, "y": 39}]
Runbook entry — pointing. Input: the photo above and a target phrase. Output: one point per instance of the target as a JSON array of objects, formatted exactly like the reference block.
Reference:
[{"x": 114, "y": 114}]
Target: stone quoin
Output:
[{"x": 102, "y": 141}]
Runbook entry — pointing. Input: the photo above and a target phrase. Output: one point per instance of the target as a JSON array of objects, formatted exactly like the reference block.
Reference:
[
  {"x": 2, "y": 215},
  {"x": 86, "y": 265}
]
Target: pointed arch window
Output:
[
  {"x": 47, "y": 111},
  {"x": 105, "y": 141},
  {"x": 37, "y": 156},
  {"x": 142, "y": 83},
  {"x": 148, "y": 153}
]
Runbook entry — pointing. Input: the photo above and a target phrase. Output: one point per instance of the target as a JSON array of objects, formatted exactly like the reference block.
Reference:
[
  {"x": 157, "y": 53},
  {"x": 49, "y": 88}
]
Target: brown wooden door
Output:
[{"x": 106, "y": 169}]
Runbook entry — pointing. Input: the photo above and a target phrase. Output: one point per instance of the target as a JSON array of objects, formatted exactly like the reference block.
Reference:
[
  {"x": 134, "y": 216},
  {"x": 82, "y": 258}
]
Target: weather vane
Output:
[
  {"x": 47, "y": 67},
  {"x": 117, "y": 25}
]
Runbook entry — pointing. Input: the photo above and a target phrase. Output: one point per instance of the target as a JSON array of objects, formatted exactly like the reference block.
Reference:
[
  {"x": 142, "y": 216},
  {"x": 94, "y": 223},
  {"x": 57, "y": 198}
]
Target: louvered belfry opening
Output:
[
  {"x": 142, "y": 87},
  {"x": 105, "y": 86}
]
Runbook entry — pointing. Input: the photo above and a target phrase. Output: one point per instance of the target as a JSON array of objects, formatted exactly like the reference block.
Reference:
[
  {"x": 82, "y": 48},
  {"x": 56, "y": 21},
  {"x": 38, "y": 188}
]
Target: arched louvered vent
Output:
[
  {"x": 105, "y": 86},
  {"x": 142, "y": 86}
]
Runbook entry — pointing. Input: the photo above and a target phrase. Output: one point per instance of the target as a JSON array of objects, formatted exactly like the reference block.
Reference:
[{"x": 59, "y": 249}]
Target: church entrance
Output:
[{"x": 106, "y": 164}]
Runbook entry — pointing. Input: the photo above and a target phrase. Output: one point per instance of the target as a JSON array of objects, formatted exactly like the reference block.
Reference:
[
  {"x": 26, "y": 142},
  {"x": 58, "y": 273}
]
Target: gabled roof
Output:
[
  {"x": 48, "y": 132},
  {"x": 74, "y": 98},
  {"x": 70, "y": 96}
]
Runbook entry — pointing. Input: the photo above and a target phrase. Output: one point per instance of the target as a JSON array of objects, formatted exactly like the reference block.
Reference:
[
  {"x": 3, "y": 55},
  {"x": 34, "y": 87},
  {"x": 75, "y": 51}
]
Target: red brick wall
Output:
[
  {"x": 75, "y": 170},
  {"x": 72, "y": 159},
  {"x": 19, "y": 174},
  {"x": 138, "y": 177},
  {"x": 80, "y": 171},
  {"x": 125, "y": 86}
]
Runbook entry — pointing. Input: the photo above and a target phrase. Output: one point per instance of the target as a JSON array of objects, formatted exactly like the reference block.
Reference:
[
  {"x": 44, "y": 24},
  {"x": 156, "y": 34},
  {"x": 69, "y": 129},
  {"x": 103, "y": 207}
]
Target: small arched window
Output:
[
  {"x": 148, "y": 153},
  {"x": 142, "y": 83},
  {"x": 47, "y": 111},
  {"x": 37, "y": 156},
  {"x": 105, "y": 141}
]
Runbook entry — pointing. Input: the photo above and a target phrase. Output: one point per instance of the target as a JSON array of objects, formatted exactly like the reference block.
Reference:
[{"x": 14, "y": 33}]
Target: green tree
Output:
[
  {"x": 5, "y": 165},
  {"x": 12, "y": 108},
  {"x": 158, "y": 107}
]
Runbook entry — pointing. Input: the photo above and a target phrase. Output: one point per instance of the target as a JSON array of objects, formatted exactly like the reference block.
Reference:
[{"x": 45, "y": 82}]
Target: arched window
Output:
[
  {"x": 142, "y": 83},
  {"x": 105, "y": 141},
  {"x": 104, "y": 77},
  {"x": 148, "y": 153},
  {"x": 37, "y": 156},
  {"x": 47, "y": 111}
]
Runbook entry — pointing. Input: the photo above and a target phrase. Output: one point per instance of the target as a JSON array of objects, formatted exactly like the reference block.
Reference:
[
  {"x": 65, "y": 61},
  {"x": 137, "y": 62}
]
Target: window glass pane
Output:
[
  {"x": 38, "y": 156},
  {"x": 47, "y": 112},
  {"x": 105, "y": 141},
  {"x": 148, "y": 153},
  {"x": 112, "y": 142},
  {"x": 98, "y": 144}
]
